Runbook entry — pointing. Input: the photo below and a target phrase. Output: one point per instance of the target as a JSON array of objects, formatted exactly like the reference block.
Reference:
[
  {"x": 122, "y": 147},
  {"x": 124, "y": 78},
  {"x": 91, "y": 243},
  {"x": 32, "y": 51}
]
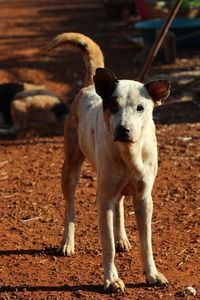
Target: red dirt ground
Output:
[{"x": 32, "y": 206}]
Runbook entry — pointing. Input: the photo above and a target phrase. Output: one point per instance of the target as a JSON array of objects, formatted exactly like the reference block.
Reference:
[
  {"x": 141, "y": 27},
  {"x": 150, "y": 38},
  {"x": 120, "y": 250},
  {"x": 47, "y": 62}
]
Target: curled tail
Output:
[{"x": 91, "y": 52}]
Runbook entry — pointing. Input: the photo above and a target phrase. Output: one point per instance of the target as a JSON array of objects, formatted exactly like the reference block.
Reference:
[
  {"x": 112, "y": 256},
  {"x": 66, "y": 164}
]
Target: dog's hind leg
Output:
[
  {"x": 70, "y": 176},
  {"x": 9, "y": 131},
  {"x": 143, "y": 211},
  {"x": 106, "y": 207},
  {"x": 121, "y": 241}
]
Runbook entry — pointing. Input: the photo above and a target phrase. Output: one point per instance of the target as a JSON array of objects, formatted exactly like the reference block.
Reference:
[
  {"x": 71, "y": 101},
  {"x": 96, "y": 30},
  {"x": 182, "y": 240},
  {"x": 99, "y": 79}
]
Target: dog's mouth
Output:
[{"x": 123, "y": 139}]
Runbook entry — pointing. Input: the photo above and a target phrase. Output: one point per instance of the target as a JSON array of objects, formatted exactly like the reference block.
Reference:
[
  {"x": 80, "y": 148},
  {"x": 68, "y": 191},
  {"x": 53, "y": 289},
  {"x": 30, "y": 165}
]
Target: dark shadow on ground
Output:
[
  {"x": 48, "y": 251},
  {"x": 65, "y": 288},
  {"x": 177, "y": 113}
]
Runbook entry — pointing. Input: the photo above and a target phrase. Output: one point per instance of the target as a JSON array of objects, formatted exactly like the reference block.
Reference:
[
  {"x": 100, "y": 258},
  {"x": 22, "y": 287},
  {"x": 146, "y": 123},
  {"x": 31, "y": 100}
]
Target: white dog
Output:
[{"x": 110, "y": 123}]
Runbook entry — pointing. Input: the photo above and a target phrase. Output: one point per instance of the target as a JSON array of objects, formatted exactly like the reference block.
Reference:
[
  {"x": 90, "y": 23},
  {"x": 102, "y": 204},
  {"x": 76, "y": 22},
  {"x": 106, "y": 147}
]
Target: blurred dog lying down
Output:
[{"x": 26, "y": 106}]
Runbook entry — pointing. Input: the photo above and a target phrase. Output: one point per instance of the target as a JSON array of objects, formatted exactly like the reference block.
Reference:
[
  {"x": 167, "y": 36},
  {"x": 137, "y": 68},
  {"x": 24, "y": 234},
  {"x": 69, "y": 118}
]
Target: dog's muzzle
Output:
[{"x": 122, "y": 134}]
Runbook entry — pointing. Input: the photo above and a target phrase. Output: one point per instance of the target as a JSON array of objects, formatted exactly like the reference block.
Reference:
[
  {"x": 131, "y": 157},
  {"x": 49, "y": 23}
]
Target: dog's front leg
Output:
[
  {"x": 121, "y": 240},
  {"x": 143, "y": 210},
  {"x": 106, "y": 206}
]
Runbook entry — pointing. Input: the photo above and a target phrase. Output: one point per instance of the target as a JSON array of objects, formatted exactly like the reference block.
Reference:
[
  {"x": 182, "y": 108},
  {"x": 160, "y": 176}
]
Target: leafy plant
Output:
[
  {"x": 190, "y": 8},
  {"x": 185, "y": 3},
  {"x": 188, "y": 3}
]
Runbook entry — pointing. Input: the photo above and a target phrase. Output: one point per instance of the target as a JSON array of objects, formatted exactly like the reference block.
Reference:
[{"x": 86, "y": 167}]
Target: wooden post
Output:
[{"x": 159, "y": 40}]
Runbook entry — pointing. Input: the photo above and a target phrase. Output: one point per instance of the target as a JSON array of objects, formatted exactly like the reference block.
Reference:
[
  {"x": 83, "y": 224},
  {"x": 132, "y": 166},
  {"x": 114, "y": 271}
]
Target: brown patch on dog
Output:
[{"x": 158, "y": 90}]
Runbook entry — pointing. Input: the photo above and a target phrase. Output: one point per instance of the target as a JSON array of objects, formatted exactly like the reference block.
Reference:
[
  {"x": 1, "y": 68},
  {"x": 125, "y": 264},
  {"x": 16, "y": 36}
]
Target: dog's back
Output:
[
  {"x": 8, "y": 91},
  {"x": 26, "y": 105}
]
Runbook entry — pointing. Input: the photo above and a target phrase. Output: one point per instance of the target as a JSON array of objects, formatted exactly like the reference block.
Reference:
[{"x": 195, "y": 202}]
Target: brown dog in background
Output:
[
  {"x": 110, "y": 123},
  {"x": 28, "y": 106}
]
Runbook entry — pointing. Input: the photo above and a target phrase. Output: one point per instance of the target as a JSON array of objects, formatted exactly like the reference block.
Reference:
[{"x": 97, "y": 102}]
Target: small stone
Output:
[
  {"x": 189, "y": 290},
  {"x": 185, "y": 139}
]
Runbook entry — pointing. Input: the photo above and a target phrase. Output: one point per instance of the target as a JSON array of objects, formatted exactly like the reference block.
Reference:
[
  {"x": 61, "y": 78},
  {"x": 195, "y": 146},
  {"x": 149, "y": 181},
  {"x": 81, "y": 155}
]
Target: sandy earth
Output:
[{"x": 32, "y": 206}]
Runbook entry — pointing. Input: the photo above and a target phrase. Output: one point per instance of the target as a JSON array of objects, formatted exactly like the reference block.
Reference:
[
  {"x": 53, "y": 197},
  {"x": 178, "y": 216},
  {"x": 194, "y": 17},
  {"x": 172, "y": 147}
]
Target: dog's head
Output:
[{"x": 128, "y": 104}]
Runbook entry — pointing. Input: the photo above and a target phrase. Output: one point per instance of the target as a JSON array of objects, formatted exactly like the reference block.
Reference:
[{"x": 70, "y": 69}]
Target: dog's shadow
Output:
[
  {"x": 47, "y": 251},
  {"x": 65, "y": 288}
]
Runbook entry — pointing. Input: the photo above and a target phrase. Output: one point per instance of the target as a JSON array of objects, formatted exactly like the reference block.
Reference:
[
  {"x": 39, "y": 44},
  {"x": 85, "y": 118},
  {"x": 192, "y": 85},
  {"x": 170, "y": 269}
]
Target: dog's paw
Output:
[
  {"x": 122, "y": 245},
  {"x": 114, "y": 286},
  {"x": 157, "y": 279},
  {"x": 66, "y": 250}
]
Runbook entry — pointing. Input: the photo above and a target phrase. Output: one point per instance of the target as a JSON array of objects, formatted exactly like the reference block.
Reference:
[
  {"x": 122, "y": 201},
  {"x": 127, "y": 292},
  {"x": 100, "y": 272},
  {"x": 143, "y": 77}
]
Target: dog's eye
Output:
[{"x": 140, "y": 108}]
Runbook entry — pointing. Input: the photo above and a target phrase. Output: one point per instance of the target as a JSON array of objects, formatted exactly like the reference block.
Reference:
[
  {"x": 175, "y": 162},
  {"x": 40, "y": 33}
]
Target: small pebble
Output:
[
  {"x": 189, "y": 290},
  {"x": 185, "y": 139},
  {"x": 132, "y": 213}
]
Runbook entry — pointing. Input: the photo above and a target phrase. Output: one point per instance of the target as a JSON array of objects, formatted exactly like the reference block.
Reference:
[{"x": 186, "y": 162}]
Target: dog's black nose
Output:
[
  {"x": 122, "y": 133},
  {"x": 123, "y": 129}
]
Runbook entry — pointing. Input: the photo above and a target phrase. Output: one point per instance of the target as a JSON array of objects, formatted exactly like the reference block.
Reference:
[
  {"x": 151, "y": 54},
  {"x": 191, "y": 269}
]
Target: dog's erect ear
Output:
[
  {"x": 105, "y": 82},
  {"x": 158, "y": 90}
]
